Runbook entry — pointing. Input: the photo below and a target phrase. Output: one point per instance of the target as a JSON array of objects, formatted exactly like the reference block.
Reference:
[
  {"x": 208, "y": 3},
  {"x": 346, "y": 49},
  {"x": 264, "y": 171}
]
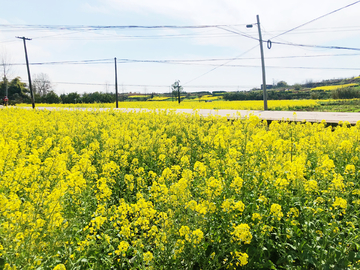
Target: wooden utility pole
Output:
[
  {"x": 28, "y": 70},
  {"x": 116, "y": 86}
]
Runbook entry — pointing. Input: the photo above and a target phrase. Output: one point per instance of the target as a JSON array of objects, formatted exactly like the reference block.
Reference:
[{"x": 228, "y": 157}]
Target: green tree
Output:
[
  {"x": 98, "y": 97},
  {"x": 345, "y": 93},
  {"x": 282, "y": 84},
  {"x": 70, "y": 98},
  {"x": 17, "y": 90},
  {"x": 177, "y": 90},
  {"x": 297, "y": 86},
  {"x": 50, "y": 98}
]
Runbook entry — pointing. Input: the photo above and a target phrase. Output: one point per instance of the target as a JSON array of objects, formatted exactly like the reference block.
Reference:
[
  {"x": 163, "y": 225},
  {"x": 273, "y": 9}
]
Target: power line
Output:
[
  {"x": 306, "y": 45},
  {"x": 239, "y": 33},
  {"x": 175, "y": 61},
  {"x": 175, "y": 36},
  {"x": 101, "y": 27},
  {"x": 149, "y": 85},
  {"x": 294, "y": 44},
  {"x": 98, "y": 61},
  {"x": 315, "y": 46},
  {"x": 320, "y": 30},
  {"x": 327, "y": 14},
  {"x": 220, "y": 65},
  {"x": 287, "y": 67},
  {"x": 134, "y": 37}
]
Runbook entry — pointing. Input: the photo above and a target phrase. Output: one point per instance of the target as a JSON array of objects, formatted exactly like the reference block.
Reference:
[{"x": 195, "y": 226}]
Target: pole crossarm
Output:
[{"x": 24, "y": 38}]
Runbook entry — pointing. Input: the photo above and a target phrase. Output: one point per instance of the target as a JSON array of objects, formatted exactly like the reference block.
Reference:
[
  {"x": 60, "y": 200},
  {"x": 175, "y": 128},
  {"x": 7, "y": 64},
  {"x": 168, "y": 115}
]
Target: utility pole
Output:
[
  {"x": 178, "y": 88},
  {"x": 262, "y": 62},
  {"x": 28, "y": 70},
  {"x": 6, "y": 88},
  {"x": 116, "y": 86}
]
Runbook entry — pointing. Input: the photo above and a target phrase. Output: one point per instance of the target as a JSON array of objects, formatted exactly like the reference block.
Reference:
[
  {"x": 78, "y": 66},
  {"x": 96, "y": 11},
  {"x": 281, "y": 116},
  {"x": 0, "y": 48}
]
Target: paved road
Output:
[{"x": 329, "y": 117}]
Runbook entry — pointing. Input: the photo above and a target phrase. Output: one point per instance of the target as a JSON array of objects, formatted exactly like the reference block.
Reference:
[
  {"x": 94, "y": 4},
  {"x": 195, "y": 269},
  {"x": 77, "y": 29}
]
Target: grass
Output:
[{"x": 347, "y": 105}]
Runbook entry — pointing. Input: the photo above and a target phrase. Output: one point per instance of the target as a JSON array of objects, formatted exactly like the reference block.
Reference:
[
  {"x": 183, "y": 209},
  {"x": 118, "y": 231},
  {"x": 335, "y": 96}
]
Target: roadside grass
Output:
[{"x": 345, "y": 105}]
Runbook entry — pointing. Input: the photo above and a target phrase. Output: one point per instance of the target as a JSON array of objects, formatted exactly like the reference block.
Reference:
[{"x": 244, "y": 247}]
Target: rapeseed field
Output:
[
  {"x": 281, "y": 105},
  {"x": 333, "y": 87},
  {"x": 159, "y": 190}
]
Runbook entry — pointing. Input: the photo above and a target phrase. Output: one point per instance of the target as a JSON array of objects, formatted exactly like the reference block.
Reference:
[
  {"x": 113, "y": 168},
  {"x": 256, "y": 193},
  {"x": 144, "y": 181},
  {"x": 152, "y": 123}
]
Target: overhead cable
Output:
[
  {"x": 327, "y": 14},
  {"x": 220, "y": 65},
  {"x": 173, "y": 61},
  {"x": 316, "y": 46},
  {"x": 100, "y": 27}
]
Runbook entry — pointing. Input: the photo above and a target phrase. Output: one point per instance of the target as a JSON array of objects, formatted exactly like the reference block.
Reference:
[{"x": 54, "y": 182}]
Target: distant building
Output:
[{"x": 268, "y": 86}]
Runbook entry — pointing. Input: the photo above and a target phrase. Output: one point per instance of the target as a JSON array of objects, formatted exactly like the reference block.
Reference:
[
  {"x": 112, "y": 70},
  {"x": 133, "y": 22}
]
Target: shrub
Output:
[{"x": 345, "y": 93}]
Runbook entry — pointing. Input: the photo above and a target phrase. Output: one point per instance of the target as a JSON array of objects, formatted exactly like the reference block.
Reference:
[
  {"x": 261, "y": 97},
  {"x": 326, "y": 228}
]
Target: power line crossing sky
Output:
[{"x": 204, "y": 45}]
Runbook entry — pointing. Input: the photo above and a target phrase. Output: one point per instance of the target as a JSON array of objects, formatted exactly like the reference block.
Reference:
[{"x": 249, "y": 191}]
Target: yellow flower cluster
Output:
[
  {"x": 159, "y": 190},
  {"x": 333, "y": 87},
  {"x": 194, "y": 104}
]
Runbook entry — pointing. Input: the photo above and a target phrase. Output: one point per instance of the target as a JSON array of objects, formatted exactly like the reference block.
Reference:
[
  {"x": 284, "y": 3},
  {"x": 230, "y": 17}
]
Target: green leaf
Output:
[{"x": 2, "y": 263}]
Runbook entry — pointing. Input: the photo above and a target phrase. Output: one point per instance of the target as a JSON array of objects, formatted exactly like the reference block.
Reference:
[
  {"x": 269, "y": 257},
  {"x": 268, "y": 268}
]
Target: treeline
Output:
[
  {"x": 277, "y": 95},
  {"x": 73, "y": 98},
  {"x": 341, "y": 93},
  {"x": 346, "y": 93},
  {"x": 17, "y": 92},
  {"x": 96, "y": 97}
]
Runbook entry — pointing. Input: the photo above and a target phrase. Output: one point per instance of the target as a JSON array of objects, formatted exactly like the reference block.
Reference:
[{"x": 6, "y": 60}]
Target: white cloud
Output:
[{"x": 90, "y": 8}]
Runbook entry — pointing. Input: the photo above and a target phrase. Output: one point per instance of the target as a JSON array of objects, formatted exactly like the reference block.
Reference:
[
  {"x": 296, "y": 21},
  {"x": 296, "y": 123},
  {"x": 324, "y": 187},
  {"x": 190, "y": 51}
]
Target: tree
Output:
[
  {"x": 282, "y": 84},
  {"x": 6, "y": 66},
  {"x": 41, "y": 84},
  {"x": 70, "y": 98},
  {"x": 297, "y": 86},
  {"x": 98, "y": 97},
  {"x": 17, "y": 91},
  {"x": 4, "y": 86},
  {"x": 50, "y": 98},
  {"x": 177, "y": 89}
]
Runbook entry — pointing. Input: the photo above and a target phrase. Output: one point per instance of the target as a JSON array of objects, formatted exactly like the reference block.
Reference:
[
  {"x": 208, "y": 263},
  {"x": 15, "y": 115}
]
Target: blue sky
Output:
[{"x": 56, "y": 45}]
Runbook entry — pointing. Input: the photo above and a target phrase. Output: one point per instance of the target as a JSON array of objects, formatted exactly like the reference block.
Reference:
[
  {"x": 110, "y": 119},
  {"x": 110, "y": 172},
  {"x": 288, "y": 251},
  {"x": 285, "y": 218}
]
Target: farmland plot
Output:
[{"x": 159, "y": 190}]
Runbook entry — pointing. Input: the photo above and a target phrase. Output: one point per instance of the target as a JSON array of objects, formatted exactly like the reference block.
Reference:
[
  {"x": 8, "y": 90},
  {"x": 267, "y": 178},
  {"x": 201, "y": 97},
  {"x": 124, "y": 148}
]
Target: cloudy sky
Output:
[{"x": 75, "y": 42}]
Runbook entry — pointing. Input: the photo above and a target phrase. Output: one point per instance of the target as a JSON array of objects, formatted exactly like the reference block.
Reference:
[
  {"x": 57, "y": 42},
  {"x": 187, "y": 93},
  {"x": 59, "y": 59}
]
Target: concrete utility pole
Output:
[
  {"x": 28, "y": 70},
  {"x": 116, "y": 85},
  {"x": 262, "y": 62}
]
